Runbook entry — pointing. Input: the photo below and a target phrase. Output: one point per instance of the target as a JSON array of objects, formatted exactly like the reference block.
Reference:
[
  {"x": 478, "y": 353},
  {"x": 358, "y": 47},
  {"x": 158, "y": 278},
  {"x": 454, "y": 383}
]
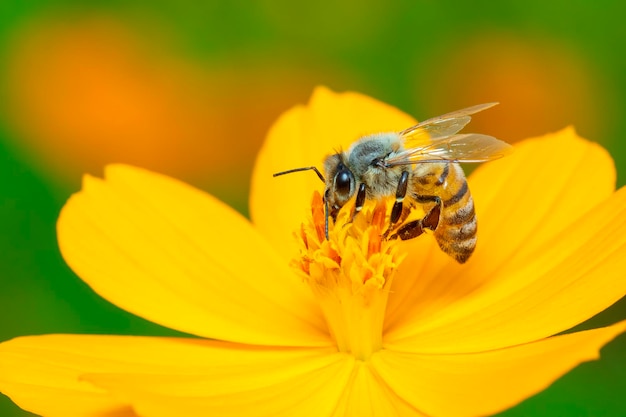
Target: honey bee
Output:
[{"x": 419, "y": 165}]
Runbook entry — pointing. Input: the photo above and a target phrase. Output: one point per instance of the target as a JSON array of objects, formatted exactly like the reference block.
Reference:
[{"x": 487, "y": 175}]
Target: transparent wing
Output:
[
  {"x": 440, "y": 126},
  {"x": 470, "y": 147}
]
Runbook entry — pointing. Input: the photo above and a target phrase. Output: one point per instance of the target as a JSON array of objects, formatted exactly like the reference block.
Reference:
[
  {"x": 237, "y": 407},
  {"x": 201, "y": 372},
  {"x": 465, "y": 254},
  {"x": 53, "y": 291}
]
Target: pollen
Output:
[{"x": 351, "y": 272}]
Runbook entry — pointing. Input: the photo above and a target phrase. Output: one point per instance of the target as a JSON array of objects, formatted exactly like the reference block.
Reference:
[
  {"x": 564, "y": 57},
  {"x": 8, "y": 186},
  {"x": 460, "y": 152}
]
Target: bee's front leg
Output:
[
  {"x": 396, "y": 210},
  {"x": 360, "y": 199},
  {"x": 359, "y": 202}
]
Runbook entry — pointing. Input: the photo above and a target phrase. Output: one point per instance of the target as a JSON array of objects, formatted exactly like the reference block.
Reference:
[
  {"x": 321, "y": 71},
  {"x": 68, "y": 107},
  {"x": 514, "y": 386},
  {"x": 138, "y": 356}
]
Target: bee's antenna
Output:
[
  {"x": 321, "y": 177},
  {"x": 319, "y": 174}
]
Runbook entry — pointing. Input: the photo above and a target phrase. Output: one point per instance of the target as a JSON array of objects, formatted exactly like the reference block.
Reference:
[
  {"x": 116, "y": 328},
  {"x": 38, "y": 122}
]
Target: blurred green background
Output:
[{"x": 172, "y": 85}]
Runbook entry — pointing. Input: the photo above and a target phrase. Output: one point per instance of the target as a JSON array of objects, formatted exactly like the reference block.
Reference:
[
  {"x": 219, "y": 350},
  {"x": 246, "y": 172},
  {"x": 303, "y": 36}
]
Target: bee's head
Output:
[{"x": 340, "y": 183}]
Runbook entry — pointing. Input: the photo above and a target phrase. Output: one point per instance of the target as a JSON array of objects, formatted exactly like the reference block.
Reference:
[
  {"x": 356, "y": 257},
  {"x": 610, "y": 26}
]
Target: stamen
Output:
[
  {"x": 351, "y": 272},
  {"x": 319, "y": 216}
]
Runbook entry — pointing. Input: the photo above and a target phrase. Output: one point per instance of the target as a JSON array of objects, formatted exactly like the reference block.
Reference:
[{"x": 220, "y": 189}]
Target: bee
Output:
[{"x": 420, "y": 166}]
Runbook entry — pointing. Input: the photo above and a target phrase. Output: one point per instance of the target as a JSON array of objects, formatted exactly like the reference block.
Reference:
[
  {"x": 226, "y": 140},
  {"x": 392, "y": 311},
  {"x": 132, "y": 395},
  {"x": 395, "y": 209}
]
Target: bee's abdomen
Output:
[{"x": 456, "y": 232}]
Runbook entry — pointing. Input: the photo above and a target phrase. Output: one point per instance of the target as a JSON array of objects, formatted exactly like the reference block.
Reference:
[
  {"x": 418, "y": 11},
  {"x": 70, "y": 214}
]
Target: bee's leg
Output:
[
  {"x": 396, "y": 210},
  {"x": 359, "y": 202},
  {"x": 431, "y": 219},
  {"x": 416, "y": 227},
  {"x": 409, "y": 231},
  {"x": 360, "y": 199}
]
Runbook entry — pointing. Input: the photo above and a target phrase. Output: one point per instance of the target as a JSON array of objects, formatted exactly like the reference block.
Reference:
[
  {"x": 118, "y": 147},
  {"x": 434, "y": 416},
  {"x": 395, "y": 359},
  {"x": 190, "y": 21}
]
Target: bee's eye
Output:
[{"x": 342, "y": 182}]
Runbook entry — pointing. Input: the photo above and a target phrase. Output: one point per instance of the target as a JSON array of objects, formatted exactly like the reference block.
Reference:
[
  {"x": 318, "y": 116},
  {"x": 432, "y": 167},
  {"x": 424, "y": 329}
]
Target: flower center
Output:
[{"x": 350, "y": 273}]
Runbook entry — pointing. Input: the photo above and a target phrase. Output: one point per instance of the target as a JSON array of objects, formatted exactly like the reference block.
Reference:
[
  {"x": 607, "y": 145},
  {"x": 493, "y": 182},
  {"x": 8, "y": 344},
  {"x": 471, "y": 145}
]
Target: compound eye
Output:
[{"x": 342, "y": 182}]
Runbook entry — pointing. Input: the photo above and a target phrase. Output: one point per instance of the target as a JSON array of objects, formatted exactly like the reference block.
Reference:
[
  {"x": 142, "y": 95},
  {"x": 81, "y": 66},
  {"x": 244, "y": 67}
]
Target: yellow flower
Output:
[{"x": 361, "y": 326}]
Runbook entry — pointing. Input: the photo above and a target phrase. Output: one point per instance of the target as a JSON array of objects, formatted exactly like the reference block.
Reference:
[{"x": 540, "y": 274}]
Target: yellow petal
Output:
[
  {"x": 174, "y": 255},
  {"x": 527, "y": 198},
  {"x": 302, "y": 137},
  {"x": 577, "y": 275},
  {"x": 484, "y": 383},
  {"x": 310, "y": 393},
  {"x": 53, "y": 401},
  {"x": 368, "y": 395},
  {"x": 54, "y": 375},
  {"x": 302, "y": 382},
  {"x": 523, "y": 202}
]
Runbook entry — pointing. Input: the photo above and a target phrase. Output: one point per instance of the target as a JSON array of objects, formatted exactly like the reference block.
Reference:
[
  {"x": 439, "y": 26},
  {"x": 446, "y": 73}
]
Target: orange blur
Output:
[{"x": 87, "y": 92}]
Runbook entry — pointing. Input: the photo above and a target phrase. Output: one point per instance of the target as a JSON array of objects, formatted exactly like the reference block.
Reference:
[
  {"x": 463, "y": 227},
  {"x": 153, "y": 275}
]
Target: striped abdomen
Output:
[{"x": 456, "y": 231}]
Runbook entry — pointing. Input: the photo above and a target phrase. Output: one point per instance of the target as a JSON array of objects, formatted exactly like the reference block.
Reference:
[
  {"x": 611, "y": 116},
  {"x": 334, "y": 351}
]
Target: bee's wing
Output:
[
  {"x": 469, "y": 147},
  {"x": 440, "y": 126}
]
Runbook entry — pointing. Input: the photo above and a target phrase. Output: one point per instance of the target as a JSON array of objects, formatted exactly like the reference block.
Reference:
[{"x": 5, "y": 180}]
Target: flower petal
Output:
[
  {"x": 526, "y": 199},
  {"x": 167, "y": 376},
  {"x": 368, "y": 395},
  {"x": 302, "y": 137},
  {"x": 174, "y": 255},
  {"x": 578, "y": 274},
  {"x": 255, "y": 391},
  {"x": 521, "y": 219},
  {"x": 487, "y": 382}
]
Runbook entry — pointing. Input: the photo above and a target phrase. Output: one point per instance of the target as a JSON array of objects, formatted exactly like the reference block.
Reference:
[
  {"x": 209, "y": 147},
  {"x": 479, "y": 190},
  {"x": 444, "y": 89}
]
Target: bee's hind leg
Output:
[{"x": 416, "y": 227}]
